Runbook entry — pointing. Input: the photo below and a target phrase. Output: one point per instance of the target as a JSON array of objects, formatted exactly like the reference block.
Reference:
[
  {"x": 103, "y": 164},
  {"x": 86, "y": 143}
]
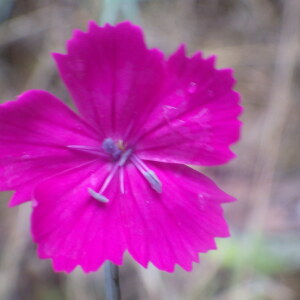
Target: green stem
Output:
[{"x": 112, "y": 285}]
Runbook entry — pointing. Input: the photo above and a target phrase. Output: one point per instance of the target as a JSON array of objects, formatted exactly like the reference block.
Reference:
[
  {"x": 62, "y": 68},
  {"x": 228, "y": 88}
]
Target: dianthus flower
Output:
[{"x": 112, "y": 178}]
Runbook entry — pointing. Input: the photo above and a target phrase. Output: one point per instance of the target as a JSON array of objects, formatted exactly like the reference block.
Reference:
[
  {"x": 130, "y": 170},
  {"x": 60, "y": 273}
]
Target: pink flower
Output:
[{"x": 111, "y": 178}]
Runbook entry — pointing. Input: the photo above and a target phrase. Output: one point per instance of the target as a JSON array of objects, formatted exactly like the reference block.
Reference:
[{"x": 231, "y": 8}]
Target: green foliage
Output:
[{"x": 250, "y": 252}]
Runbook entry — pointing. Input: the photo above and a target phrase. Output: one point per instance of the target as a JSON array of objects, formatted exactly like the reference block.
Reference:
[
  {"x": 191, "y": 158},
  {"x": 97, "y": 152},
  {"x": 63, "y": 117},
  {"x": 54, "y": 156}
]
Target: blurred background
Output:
[{"x": 260, "y": 40}]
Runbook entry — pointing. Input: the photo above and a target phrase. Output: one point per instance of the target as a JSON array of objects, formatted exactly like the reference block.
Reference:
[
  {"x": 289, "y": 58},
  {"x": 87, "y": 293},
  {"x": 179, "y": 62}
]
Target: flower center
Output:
[
  {"x": 119, "y": 154},
  {"x": 115, "y": 150}
]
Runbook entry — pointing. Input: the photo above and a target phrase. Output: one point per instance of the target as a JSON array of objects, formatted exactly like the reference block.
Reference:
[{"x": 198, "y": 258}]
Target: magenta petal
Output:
[
  {"x": 113, "y": 78},
  {"x": 34, "y": 133},
  {"x": 73, "y": 229},
  {"x": 174, "y": 226},
  {"x": 196, "y": 121}
]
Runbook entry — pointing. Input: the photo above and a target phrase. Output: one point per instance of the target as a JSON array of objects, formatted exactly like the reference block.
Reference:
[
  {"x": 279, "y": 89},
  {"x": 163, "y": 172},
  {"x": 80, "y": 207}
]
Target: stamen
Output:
[
  {"x": 87, "y": 149},
  {"x": 124, "y": 157},
  {"x": 122, "y": 188},
  {"x": 98, "y": 196},
  {"x": 111, "y": 148},
  {"x": 141, "y": 163},
  {"x": 150, "y": 175},
  {"x": 109, "y": 178},
  {"x": 121, "y": 158},
  {"x": 154, "y": 181}
]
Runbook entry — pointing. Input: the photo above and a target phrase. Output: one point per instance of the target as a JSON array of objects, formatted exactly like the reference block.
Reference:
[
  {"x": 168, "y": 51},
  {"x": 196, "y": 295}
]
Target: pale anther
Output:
[
  {"x": 153, "y": 180},
  {"x": 149, "y": 175},
  {"x": 98, "y": 196}
]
